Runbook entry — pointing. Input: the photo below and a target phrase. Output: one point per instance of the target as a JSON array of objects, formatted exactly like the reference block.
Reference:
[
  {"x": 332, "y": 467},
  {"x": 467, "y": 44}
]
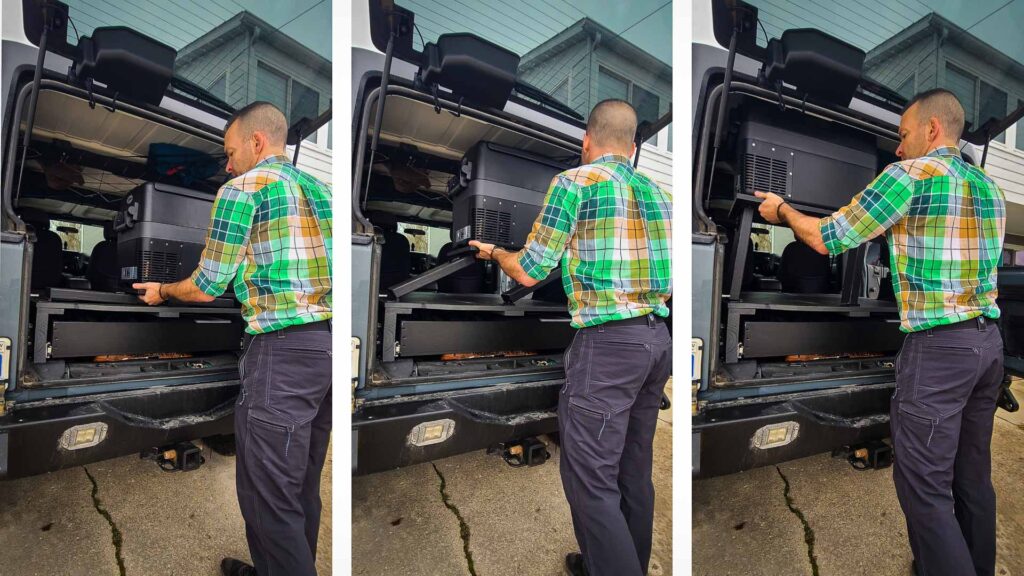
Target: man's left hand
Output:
[
  {"x": 769, "y": 207},
  {"x": 151, "y": 295},
  {"x": 485, "y": 249}
]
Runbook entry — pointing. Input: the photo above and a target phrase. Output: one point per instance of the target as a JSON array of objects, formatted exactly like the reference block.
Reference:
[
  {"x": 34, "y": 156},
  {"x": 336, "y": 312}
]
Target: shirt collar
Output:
[
  {"x": 619, "y": 158},
  {"x": 273, "y": 159},
  {"x": 944, "y": 151}
]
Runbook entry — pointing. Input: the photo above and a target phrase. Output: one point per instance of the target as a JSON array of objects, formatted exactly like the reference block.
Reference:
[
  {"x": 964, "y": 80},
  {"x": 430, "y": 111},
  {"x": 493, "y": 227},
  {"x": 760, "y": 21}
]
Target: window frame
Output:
[{"x": 658, "y": 141}]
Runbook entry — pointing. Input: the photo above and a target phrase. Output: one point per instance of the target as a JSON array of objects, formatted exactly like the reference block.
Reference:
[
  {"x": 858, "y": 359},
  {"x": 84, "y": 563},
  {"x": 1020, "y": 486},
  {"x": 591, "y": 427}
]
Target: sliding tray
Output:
[
  {"x": 99, "y": 297},
  {"x": 872, "y": 322},
  {"x": 541, "y": 325},
  {"x": 124, "y": 329}
]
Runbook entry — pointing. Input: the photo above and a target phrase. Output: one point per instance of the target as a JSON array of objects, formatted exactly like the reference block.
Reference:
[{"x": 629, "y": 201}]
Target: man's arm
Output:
[
  {"x": 881, "y": 205},
  {"x": 546, "y": 242},
  {"x": 806, "y": 228},
  {"x": 226, "y": 241},
  {"x": 184, "y": 291},
  {"x": 508, "y": 261}
]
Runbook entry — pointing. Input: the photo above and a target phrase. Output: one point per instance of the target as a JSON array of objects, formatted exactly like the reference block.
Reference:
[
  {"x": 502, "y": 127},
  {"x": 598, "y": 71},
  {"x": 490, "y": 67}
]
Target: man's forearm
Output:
[
  {"x": 509, "y": 262},
  {"x": 805, "y": 228},
  {"x": 184, "y": 291}
]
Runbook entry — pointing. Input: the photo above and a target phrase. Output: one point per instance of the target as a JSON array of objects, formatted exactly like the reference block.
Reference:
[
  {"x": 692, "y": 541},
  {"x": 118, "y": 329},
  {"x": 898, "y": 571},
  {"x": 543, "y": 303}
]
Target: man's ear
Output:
[
  {"x": 586, "y": 143},
  {"x": 259, "y": 142},
  {"x": 934, "y": 129}
]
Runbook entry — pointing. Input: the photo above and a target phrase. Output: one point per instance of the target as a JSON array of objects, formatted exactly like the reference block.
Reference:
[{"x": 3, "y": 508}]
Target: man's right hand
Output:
[{"x": 769, "y": 208}]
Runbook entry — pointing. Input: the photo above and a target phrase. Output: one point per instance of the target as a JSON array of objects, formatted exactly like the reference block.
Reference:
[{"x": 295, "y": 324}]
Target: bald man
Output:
[
  {"x": 270, "y": 239},
  {"x": 944, "y": 220},
  {"x": 609, "y": 227}
]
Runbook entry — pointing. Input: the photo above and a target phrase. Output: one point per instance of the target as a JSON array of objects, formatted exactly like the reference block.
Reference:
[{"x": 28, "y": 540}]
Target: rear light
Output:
[
  {"x": 775, "y": 435},
  {"x": 434, "y": 432},
  {"x": 83, "y": 436}
]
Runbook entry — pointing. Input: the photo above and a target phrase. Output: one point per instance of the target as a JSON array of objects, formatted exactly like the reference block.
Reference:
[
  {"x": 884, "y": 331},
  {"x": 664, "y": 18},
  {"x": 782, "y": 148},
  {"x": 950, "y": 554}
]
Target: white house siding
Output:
[
  {"x": 314, "y": 159},
  {"x": 658, "y": 165}
]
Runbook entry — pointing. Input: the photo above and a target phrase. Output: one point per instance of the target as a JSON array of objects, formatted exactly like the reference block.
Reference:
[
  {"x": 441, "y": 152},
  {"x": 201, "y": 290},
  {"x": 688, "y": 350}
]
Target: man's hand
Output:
[
  {"x": 485, "y": 249},
  {"x": 769, "y": 207},
  {"x": 151, "y": 295}
]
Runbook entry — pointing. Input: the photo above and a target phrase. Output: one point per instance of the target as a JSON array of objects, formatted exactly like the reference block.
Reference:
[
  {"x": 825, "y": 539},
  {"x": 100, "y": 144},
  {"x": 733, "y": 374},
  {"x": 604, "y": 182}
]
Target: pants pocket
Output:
[
  {"x": 298, "y": 380},
  {"x": 616, "y": 371}
]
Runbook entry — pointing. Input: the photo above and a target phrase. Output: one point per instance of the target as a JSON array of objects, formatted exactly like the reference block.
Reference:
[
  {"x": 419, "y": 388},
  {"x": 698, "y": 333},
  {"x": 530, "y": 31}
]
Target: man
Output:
[
  {"x": 609, "y": 226},
  {"x": 944, "y": 220},
  {"x": 270, "y": 239}
]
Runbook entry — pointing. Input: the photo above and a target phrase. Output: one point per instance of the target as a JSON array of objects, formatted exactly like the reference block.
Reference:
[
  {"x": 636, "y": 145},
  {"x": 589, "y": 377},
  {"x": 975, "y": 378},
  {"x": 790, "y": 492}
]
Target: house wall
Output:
[{"x": 1005, "y": 163}]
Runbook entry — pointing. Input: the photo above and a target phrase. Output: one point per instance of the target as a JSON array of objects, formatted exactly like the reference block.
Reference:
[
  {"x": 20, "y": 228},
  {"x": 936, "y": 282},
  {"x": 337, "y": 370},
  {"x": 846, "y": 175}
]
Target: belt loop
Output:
[
  {"x": 650, "y": 320},
  {"x": 981, "y": 323},
  {"x": 928, "y": 333}
]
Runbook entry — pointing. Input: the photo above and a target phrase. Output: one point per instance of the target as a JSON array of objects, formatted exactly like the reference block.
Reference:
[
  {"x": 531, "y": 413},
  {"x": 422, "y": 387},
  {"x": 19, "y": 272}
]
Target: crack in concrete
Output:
[
  {"x": 463, "y": 527},
  {"x": 115, "y": 532},
  {"x": 808, "y": 531}
]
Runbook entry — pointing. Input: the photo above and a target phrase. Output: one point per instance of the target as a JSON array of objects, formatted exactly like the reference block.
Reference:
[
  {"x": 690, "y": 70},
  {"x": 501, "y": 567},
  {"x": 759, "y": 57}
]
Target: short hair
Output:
[
  {"x": 612, "y": 123},
  {"x": 263, "y": 117},
  {"x": 942, "y": 104}
]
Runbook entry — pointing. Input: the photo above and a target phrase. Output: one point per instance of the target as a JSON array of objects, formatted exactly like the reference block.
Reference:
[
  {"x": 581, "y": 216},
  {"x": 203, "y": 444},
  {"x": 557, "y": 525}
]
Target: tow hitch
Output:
[
  {"x": 873, "y": 455},
  {"x": 524, "y": 452},
  {"x": 183, "y": 456}
]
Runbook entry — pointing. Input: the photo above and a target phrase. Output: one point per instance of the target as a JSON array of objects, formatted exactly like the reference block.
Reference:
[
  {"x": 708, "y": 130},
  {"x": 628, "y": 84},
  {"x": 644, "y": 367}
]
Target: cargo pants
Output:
[
  {"x": 947, "y": 384},
  {"x": 607, "y": 414},
  {"x": 282, "y": 428}
]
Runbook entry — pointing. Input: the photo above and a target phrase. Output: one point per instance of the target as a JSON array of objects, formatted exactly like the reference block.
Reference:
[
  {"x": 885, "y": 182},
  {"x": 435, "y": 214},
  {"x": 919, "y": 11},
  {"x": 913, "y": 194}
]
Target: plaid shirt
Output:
[
  {"x": 945, "y": 222},
  {"x": 265, "y": 241},
  {"x": 610, "y": 227}
]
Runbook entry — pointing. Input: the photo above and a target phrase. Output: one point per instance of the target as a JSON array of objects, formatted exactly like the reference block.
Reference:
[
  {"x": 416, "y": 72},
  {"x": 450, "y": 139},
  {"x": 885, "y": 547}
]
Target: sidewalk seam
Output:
[
  {"x": 115, "y": 532},
  {"x": 463, "y": 526},
  {"x": 808, "y": 531}
]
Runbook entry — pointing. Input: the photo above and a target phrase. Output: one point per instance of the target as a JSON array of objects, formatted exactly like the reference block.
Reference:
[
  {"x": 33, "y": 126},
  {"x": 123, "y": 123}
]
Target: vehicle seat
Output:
[
  {"x": 469, "y": 280},
  {"x": 47, "y": 254},
  {"x": 802, "y": 270},
  {"x": 103, "y": 273},
  {"x": 395, "y": 258}
]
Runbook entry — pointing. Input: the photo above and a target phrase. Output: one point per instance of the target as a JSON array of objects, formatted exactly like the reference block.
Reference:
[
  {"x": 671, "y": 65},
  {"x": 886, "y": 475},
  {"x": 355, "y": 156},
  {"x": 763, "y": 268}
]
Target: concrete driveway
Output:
[
  {"x": 126, "y": 517},
  {"x": 473, "y": 514},
  {"x": 836, "y": 520}
]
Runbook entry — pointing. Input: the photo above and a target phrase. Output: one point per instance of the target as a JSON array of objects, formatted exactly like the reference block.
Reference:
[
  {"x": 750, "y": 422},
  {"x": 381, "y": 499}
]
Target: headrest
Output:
[{"x": 817, "y": 64}]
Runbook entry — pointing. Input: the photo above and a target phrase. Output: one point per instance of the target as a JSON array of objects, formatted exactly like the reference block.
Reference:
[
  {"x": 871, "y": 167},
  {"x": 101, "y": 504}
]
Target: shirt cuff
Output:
[
  {"x": 206, "y": 285},
  {"x": 531, "y": 265},
  {"x": 829, "y": 235}
]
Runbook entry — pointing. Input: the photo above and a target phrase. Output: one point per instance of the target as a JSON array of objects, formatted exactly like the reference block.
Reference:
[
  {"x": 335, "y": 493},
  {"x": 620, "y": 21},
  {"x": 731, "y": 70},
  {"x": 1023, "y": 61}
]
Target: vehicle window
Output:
[
  {"x": 970, "y": 48},
  {"x": 77, "y": 237},
  {"x": 425, "y": 239},
  {"x": 289, "y": 41},
  {"x": 578, "y": 52}
]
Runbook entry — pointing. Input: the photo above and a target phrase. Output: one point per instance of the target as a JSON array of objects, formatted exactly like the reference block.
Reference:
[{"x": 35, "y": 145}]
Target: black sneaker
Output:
[
  {"x": 232, "y": 567},
  {"x": 574, "y": 564}
]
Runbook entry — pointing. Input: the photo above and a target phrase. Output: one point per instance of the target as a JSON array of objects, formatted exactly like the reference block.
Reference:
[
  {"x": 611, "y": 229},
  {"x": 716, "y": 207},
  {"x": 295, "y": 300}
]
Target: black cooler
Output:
[
  {"x": 161, "y": 231},
  {"x": 498, "y": 193}
]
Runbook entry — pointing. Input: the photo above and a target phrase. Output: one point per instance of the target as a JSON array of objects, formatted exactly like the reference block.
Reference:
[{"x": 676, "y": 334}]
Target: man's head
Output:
[
  {"x": 931, "y": 119},
  {"x": 611, "y": 129},
  {"x": 253, "y": 133}
]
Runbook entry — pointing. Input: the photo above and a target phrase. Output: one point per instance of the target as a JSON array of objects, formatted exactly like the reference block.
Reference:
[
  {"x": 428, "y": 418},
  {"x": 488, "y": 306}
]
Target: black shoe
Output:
[
  {"x": 232, "y": 567},
  {"x": 574, "y": 564}
]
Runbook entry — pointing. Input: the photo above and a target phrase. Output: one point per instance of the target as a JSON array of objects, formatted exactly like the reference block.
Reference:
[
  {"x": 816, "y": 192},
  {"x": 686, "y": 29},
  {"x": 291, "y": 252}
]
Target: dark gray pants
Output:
[
  {"x": 607, "y": 413},
  {"x": 947, "y": 383},
  {"x": 282, "y": 426}
]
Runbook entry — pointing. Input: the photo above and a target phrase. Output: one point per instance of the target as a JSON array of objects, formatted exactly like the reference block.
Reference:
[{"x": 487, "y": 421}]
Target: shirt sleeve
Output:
[
  {"x": 881, "y": 205},
  {"x": 230, "y": 224},
  {"x": 552, "y": 229}
]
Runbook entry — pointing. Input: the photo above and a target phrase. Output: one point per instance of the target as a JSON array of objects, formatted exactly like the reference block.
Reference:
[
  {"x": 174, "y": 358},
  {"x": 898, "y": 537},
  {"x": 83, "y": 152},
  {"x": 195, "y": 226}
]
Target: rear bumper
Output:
[
  {"x": 30, "y": 434},
  {"x": 482, "y": 418},
  {"x": 723, "y": 436}
]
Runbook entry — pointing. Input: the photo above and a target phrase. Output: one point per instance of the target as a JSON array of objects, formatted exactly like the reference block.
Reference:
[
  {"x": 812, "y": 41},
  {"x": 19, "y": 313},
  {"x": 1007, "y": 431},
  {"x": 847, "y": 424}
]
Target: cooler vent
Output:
[
  {"x": 492, "y": 226},
  {"x": 158, "y": 266},
  {"x": 765, "y": 174}
]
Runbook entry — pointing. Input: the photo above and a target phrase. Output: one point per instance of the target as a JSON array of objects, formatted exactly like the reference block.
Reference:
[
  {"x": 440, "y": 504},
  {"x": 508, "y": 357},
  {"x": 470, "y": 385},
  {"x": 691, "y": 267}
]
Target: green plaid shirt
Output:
[
  {"x": 271, "y": 246},
  {"x": 610, "y": 227},
  {"x": 945, "y": 221}
]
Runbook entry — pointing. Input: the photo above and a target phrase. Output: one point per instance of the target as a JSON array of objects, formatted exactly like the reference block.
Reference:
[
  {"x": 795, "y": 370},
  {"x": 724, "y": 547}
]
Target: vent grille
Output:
[
  {"x": 765, "y": 174},
  {"x": 158, "y": 266},
  {"x": 492, "y": 226}
]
